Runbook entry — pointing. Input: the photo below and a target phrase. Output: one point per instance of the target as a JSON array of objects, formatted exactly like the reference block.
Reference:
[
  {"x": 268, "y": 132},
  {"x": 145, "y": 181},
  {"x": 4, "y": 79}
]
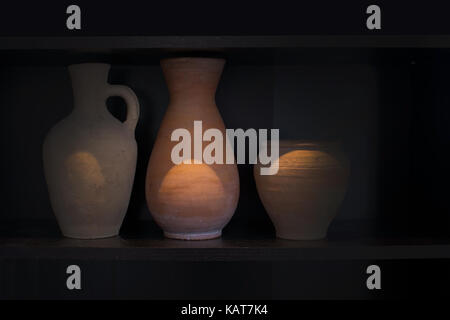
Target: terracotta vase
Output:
[
  {"x": 303, "y": 197},
  {"x": 90, "y": 157},
  {"x": 190, "y": 201}
]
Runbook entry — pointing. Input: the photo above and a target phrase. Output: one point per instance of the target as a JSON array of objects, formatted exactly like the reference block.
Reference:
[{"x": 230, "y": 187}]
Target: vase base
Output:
[{"x": 194, "y": 236}]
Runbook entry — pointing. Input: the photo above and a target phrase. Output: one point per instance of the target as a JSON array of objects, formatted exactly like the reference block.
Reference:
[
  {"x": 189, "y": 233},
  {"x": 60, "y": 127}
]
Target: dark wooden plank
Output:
[
  {"x": 237, "y": 56},
  {"x": 220, "y": 250},
  {"x": 228, "y": 251},
  {"x": 221, "y": 42},
  {"x": 347, "y": 241}
]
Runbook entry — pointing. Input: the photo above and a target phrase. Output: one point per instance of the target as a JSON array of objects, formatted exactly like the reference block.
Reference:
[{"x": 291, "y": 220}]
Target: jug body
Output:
[{"x": 90, "y": 157}]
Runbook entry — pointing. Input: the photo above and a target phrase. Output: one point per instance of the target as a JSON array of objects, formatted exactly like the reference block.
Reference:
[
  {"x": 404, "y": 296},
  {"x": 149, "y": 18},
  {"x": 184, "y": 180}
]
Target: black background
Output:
[{"x": 134, "y": 17}]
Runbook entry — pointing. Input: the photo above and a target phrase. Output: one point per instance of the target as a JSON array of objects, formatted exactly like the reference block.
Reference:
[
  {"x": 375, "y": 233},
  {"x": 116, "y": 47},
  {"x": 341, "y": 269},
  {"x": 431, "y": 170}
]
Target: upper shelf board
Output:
[{"x": 221, "y": 42}]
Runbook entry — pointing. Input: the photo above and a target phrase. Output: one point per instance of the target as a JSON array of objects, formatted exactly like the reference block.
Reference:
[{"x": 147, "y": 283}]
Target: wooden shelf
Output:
[
  {"x": 238, "y": 50},
  {"x": 222, "y": 42},
  {"x": 148, "y": 244}
]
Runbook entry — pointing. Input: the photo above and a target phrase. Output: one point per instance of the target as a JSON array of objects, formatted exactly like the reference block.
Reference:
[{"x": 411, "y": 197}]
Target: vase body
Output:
[
  {"x": 191, "y": 200},
  {"x": 90, "y": 157},
  {"x": 303, "y": 197}
]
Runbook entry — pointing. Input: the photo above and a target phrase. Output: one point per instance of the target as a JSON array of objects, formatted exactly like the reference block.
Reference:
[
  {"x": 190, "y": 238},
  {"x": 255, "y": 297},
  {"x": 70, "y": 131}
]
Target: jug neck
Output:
[{"x": 89, "y": 84}]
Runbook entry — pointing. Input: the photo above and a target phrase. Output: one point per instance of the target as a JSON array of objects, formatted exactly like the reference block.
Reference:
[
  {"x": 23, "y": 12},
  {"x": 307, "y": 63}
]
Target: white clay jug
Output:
[{"x": 90, "y": 157}]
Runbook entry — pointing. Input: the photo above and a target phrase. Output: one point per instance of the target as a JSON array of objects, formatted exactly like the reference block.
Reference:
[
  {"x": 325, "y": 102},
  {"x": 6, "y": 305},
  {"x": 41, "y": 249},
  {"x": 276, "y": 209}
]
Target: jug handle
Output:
[{"x": 131, "y": 101}]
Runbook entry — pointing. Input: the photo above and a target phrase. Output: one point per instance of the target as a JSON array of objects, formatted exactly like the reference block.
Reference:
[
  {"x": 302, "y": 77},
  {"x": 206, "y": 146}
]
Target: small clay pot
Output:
[{"x": 303, "y": 197}]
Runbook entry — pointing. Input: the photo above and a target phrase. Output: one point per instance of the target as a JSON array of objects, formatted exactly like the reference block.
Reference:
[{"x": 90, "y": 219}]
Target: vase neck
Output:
[
  {"x": 192, "y": 80},
  {"x": 89, "y": 85}
]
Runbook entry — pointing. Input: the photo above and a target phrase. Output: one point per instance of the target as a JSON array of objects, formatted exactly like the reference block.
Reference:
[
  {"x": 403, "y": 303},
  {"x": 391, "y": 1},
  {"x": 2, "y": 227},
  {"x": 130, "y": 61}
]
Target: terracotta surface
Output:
[
  {"x": 304, "y": 196},
  {"x": 90, "y": 157},
  {"x": 190, "y": 201}
]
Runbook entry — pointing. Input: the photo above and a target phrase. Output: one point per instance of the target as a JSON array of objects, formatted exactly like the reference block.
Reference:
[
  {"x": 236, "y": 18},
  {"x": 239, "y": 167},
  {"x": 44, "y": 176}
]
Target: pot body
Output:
[
  {"x": 303, "y": 197},
  {"x": 191, "y": 200},
  {"x": 90, "y": 157}
]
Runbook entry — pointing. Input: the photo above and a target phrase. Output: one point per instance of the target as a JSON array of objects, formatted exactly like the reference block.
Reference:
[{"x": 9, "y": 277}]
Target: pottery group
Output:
[{"x": 90, "y": 160}]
